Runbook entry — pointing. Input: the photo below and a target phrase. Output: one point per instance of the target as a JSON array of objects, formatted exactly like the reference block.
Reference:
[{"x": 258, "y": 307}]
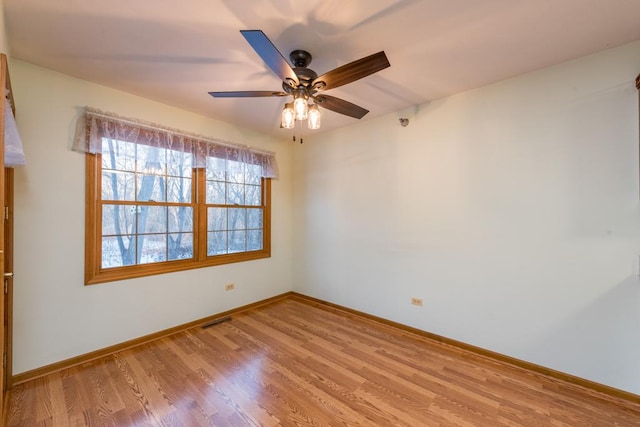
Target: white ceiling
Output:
[{"x": 177, "y": 51}]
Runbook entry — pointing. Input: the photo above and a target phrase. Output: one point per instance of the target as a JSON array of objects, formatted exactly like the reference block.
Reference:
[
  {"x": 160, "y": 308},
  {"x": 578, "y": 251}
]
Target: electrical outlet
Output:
[
  {"x": 416, "y": 301},
  {"x": 229, "y": 286}
]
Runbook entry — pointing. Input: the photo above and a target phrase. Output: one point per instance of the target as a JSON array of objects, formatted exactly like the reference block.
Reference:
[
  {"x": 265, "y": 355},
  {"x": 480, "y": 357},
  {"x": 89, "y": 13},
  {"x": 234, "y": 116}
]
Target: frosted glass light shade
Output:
[
  {"x": 288, "y": 116},
  {"x": 314, "y": 117},
  {"x": 300, "y": 107}
]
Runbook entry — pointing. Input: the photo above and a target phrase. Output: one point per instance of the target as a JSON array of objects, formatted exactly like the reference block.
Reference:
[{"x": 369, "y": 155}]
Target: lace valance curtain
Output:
[
  {"x": 13, "y": 152},
  {"x": 96, "y": 125}
]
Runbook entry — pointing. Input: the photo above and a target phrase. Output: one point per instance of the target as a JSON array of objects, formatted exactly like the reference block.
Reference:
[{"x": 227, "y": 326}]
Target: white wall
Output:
[
  {"x": 55, "y": 316},
  {"x": 513, "y": 210},
  {"x": 4, "y": 45}
]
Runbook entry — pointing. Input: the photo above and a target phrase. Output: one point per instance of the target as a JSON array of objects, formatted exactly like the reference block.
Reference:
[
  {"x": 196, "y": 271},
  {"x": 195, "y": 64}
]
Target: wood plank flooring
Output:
[{"x": 293, "y": 363}]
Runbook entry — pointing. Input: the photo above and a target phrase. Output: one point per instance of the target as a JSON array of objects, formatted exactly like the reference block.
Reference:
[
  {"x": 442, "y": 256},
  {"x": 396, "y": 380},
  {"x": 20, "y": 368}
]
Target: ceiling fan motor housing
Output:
[{"x": 301, "y": 59}]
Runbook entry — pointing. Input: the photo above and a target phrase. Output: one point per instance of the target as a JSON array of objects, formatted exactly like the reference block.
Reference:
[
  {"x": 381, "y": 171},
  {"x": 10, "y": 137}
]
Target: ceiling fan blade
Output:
[
  {"x": 247, "y": 94},
  {"x": 352, "y": 71},
  {"x": 340, "y": 106},
  {"x": 271, "y": 56}
]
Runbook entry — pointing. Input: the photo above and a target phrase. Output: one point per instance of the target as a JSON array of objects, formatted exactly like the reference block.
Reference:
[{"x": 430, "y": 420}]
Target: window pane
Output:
[
  {"x": 254, "y": 240},
  {"x": 117, "y": 185},
  {"x": 235, "y": 194},
  {"x": 151, "y": 188},
  {"x": 253, "y": 174},
  {"x": 118, "y": 219},
  {"x": 216, "y": 243},
  {"x": 115, "y": 255},
  {"x": 237, "y": 219},
  {"x": 235, "y": 172},
  {"x": 216, "y": 219},
  {"x": 151, "y": 160},
  {"x": 180, "y": 219},
  {"x": 237, "y": 241},
  {"x": 216, "y": 169},
  {"x": 152, "y": 248},
  {"x": 118, "y": 155},
  {"x": 216, "y": 193},
  {"x": 254, "y": 218},
  {"x": 179, "y": 163},
  {"x": 180, "y": 246},
  {"x": 152, "y": 219},
  {"x": 254, "y": 193},
  {"x": 178, "y": 190}
]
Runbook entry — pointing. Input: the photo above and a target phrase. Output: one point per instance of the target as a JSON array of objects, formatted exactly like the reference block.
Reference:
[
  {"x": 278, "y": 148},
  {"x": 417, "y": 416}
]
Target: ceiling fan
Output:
[{"x": 304, "y": 84}]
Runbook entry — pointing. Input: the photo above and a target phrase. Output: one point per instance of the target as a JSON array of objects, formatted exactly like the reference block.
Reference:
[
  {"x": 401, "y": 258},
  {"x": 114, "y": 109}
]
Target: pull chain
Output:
[{"x": 294, "y": 135}]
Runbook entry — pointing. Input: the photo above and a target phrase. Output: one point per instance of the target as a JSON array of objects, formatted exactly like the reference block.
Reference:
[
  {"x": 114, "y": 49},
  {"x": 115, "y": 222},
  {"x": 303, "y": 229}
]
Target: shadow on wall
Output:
[{"x": 603, "y": 339}]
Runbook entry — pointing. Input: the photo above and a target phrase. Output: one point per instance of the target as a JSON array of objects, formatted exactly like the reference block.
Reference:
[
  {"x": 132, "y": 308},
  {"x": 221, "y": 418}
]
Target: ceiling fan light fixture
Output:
[
  {"x": 314, "y": 117},
  {"x": 288, "y": 116},
  {"x": 303, "y": 83},
  {"x": 300, "y": 105}
]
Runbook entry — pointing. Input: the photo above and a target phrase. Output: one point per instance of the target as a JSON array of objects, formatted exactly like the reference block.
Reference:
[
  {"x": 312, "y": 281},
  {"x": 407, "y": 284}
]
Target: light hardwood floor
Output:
[{"x": 293, "y": 363}]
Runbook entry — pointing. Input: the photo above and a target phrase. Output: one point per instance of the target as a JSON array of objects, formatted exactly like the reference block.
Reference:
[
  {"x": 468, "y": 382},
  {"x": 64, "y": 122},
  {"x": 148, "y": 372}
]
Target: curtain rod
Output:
[{"x": 154, "y": 126}]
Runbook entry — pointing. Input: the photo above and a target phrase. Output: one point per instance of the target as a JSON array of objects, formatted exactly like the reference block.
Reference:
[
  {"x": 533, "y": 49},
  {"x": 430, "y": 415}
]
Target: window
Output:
[{"x": 160, "y": 201}]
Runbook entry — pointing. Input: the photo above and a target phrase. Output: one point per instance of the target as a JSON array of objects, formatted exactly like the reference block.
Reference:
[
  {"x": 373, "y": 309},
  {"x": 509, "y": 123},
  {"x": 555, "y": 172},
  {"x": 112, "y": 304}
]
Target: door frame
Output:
[
  {"x": 6, "y": 249},
  {"x": 8, "y": 267}
]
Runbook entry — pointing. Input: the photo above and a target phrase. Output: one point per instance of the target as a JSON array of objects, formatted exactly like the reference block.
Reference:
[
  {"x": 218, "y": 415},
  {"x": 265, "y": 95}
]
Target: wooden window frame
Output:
[{"x": 94, "y": 273}]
